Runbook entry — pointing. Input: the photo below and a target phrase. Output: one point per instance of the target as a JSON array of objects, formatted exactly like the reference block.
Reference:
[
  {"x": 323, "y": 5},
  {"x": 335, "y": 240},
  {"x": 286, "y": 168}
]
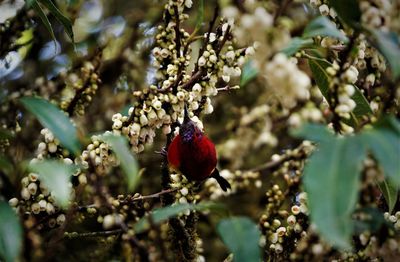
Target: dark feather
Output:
[{"x": 223, "y": 183}]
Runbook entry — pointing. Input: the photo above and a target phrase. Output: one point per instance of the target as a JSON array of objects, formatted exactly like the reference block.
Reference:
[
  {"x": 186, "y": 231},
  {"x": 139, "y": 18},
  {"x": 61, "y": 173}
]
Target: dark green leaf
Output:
[
  {"x": 296, "y": 44},
  {"x": 388, "y": 45},
  {"x": 241, "y": 236},
  {"x": 390, "y": 192},
  {"x": 318, "y": 69},
  {"x": 5, "y": 164},
  {"x": 60, "y": 17},
  {"x": 4, "y": 134},
  {"x": 10, "y": 234},
  {"x": 373, "y": 220},
  {"x": 129, "y": 164},
  {"x": 322, "y": 26},
  {"x": 56, "y": 176},
  {"x": 384, "y": 142},
  {"x": 55, "y": 120},
  {"x": 29, "y": 3},
  {"x": 331, "y": 180},
  {"x": 39, "y": 11},
  {"x": 248, "y": 74},
  {"x": 200, "y": 15},
  {"x": 362, "y": 105},
  {"x": 347, "y": 10},
  {"x": 314, "y": 132},
  {"x": 162, "y": 214}
]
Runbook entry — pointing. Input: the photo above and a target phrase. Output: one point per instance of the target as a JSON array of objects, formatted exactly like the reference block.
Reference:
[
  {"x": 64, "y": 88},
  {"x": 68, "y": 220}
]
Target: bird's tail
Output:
[{"x": 223, "y": 183}]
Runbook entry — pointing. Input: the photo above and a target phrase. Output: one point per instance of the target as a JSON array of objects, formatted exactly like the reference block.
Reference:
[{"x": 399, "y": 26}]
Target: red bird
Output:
[{"x": 193, "y": 154}]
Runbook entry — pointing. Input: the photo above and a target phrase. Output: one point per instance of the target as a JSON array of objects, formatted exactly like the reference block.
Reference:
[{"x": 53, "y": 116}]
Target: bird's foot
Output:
[{"x": 162, "y": 152}]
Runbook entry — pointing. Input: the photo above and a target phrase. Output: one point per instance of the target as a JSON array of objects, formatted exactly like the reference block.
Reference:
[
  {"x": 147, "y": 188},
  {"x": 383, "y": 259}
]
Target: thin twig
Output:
[
  {"x": 94, "y": 234},
  {"x": 177, "y": 32}
]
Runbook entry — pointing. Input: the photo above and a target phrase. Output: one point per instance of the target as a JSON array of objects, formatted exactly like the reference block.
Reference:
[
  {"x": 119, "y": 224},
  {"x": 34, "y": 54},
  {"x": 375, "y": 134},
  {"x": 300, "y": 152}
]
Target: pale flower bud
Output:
[
  {"x": 202, "y": 61},
  {"x": 324, "y": 10}
]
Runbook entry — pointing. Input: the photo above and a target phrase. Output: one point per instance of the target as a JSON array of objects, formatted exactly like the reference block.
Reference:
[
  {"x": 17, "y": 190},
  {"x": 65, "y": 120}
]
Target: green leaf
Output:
[
  {"x": 322, "y": 26},
  {"x": 249, "y": 73},
  {"x": 5, "y": 164},
  {"x": 372, "y": 221},
  {"x": 347, "y": 10},
  {"x": 60, "y": 17},
  {"x": 318, "y": 68},
  {"x": 129, "y": 164},
  {"x": 56, "y": 176},
  {"x": 390, "y": 192},
  {"x": 39, "y": 11},
  {"x": 29, "y": 3},
  {"x": 4, "y": 134},
  {"x": 388, "y": 44},
  {"x": 241, "y": 236},
  {"x": 321, "y": 77},
  {"x": 384, "y": 142},
  {"x": 10, "y": 234},
  {"x": 314, "y": 132},
  {"x": 362, "y": 106},
  {"x": 332, "y": 181},
  {"x": 200, "y": 15},
  {"x": 55, "y": 120},
  {"x": 163, "y": 214},
  {"x": 296, "y": 44}
]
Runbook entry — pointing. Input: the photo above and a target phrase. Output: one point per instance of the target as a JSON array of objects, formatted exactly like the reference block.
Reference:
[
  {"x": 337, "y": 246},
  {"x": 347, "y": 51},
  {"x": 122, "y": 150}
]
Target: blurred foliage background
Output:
[{"x": 329, "y": 69}]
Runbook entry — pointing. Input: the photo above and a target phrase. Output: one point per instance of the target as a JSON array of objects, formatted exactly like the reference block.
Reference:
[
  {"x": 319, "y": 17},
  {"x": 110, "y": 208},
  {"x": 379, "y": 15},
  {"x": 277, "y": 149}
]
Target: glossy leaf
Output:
[
  {"x": 39, "y": 11},
  {"x": 362, "y": 106},
  {"x": 10, "y": 234},
  {"x": 60, "y": 17},
  {"x": 29, "y": 3},
  {"x": 373, "y": 221},
  {"x": 389, "y": 45},
  {"x": 314, "y": 132},
  {"x": 347, "y": 10},
  {"x": 241, "y": 235},
  {"x": 318, "y": 68},
  {"x": 56, "y": 176},
  {"x": 384, "y": 142},
  {"x": 129, "y": 164},
  {"x": 390, "y": 192},
  {"x": 55, "y": 120},
  {"x": 332, "y": 180},
  {"x": 322, "y": 26},
  {"x": 249, "y": 73},
  {"x": 163, "y": 214},
  {"x": 296, "y": 44},
  {"x": 200, "y": 15},
  {"x": 321, "y": 77}
]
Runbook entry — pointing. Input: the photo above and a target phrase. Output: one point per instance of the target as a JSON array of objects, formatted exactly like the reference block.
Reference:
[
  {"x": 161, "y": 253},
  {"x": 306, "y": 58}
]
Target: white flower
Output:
[
  {"x": 226, "y": 78},
  {"x": 197, "y": 88},
  {"x": 230, "y": 56},
  {"x": 250, "y": 51},
  {"x": 143, "y": 120},
  {"x": 202, "y": 61},
  {"x": 213, "y": 58},
  {"x": 188, "y": 3},
  {"x": 324, "y": 10}
]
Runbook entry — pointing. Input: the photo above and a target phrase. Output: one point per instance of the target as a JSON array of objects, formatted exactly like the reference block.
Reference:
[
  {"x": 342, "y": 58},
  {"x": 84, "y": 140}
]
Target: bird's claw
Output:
[{"x": 162, "y": 152}]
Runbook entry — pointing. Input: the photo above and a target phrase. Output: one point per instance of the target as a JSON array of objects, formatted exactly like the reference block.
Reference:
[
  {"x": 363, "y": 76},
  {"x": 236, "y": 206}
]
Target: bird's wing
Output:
[{"x": 173, "y": 154}]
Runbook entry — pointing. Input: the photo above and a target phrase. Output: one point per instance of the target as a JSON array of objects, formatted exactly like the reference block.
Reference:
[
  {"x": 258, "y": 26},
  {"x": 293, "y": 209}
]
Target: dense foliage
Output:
[{"x": 301, "y": 98}]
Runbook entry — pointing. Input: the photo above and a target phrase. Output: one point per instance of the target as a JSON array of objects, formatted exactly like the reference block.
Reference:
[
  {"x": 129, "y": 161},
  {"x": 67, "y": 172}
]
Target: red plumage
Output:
[
  {"x": 193, "y": 154},
  {"x": 196, "y": 159}
]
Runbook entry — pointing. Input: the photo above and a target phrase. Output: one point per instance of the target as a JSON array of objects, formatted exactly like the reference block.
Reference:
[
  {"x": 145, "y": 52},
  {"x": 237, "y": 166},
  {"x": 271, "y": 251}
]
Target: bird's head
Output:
[{"x": 188, "y": 129}]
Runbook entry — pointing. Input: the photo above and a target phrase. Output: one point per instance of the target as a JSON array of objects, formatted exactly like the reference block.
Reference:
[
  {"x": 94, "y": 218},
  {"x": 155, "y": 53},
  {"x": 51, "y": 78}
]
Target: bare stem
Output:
[{"x": 94, "y": 234}]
